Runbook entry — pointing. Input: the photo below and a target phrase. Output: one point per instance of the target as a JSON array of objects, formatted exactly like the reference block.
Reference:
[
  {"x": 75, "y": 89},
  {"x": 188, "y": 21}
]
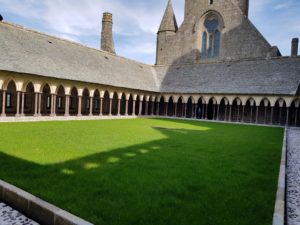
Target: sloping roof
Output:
[
  {"x": 169, "y": 22},
  {"x": 262, "y": 76},
  {"x": 27, "y": 51}
]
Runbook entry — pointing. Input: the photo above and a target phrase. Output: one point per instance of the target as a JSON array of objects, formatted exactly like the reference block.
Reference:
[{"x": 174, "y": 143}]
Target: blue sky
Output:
[{"x": 136, "y": 21}]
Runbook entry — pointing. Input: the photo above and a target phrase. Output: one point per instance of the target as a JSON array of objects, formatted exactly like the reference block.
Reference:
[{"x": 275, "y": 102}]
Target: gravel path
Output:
[
  {"x": 9, "y": 216},
  {"x": 293, "y": 177}
]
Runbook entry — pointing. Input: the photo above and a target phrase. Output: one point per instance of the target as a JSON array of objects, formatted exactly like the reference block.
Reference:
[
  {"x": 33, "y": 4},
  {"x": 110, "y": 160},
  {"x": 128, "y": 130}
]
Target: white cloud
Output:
[{"x": 136, "y": 22}]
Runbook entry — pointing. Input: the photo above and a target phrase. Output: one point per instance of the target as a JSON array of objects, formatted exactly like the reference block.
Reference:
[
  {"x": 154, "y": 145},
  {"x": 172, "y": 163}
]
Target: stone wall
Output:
[{"x": 239, "y": 37}]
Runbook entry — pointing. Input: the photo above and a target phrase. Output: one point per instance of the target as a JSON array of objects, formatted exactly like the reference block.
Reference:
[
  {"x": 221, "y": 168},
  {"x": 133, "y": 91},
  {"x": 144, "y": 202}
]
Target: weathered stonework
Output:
[{"x": 239, "y": 37}]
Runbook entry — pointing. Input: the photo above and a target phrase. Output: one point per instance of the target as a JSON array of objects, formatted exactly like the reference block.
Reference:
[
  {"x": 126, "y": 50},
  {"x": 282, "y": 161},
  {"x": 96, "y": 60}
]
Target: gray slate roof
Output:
[
  {"x": 261, "y": 76},
  {"x": 26, "y": 51}
]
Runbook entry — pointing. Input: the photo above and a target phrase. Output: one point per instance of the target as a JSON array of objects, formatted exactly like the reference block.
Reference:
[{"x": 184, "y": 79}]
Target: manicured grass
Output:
[{"x": 147, "y": 171}]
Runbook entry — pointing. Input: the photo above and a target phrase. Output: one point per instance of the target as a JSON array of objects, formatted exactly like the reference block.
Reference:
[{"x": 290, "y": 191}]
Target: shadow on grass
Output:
[{"x": 191, "y": 177}]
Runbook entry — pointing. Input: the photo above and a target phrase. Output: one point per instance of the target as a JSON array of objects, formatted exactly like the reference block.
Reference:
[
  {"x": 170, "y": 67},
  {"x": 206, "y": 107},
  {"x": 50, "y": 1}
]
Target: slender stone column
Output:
[
  {"x": 214, "y": 111},
  {"x": 225, "y": 113},
  {"x": 203, "y": 112},
  {"x": 53, "y": 105},
  {"x": 166, "y": 109},
  {"x": 184, "y": 110},
  {"x": 206, "y": 109},
  {"x": 157, "y": 109},
  {"x": 296, "y": 115},
  {"x": 133, "y": 106},
  {"x": 40, "y": 104},
  {"x": 119, "y": 107},
  {"x": 243, "y": 113},
  {"x": 3, "y": 114},
  {"x": 218, "y": 111},
  {"x": 110, "y": 107},
  {"x": 67, "y": 105},
  {"x": 280, "y": 114},
  {"x": 126, "y": 108},
  {"x": 272, "y": 113},
  {"x": 175, "y": 114},
  {"x": 146, "y": 108},
  {"x": 238, "y": 115},
  {"x": 265, "y": 119},
  {"x": 101, "y": 107},
  {"x": 195, "y": 111},
  {"x": 251, "y": 114},
  {"x": 257, "y": 109},
  {"x": 36, "y": 99},
  {"x": 140, "y": 108},
  {"x": 287, "y": 116},
  {"x": 22, "y": 104},
  {"x": 230, "y": 112},
  {"x": 18, "y": 104},
  {"x": 91, "y": 106},
  {"x": 79, "y": 105},
  {"x": 153, "y": 107}
]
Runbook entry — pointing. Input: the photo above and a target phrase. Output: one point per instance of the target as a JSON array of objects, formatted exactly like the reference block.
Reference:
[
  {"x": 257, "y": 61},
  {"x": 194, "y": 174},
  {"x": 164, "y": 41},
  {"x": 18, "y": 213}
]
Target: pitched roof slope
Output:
[
  {"x": 169, "y": 22},
  {"x": 278, "y": 76},
  {"x": 30, "y": 52}
]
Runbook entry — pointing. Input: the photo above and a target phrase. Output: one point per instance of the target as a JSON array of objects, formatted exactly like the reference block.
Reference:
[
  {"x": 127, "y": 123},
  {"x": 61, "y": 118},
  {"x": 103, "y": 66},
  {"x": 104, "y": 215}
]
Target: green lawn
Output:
[{"x": 147, "y": 171}]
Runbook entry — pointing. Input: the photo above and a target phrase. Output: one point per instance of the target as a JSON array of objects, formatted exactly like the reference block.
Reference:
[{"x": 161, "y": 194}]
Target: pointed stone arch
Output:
[
  {"x": 96, "y": 102},
  {"x": 60, "y": 100},
  {"x": 46, "y": 100},
  {"x": 73, "y": 105},
  {"x": 106, "y": 104},
  {"x": 171, "y": 106}
]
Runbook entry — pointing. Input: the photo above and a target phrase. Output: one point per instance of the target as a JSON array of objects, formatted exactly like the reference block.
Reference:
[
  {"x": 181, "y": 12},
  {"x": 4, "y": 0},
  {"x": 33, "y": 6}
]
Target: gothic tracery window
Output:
[{"x": 211, "y": 38}]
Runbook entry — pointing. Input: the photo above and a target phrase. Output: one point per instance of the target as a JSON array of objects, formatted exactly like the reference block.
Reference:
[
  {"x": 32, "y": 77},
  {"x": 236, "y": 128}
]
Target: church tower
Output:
[
  {"x": 168, "y": 27},
  {"x": 212, "y": 31},
  {"x": 243, "y": 5}
]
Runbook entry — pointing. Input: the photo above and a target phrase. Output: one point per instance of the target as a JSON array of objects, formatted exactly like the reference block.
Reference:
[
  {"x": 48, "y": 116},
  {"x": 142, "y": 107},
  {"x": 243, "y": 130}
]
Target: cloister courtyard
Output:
[{"x": 147, "y": 171}]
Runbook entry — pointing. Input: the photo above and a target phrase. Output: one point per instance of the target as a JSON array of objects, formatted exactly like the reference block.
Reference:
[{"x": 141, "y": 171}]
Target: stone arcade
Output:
[{"x": 215, "y": 66}]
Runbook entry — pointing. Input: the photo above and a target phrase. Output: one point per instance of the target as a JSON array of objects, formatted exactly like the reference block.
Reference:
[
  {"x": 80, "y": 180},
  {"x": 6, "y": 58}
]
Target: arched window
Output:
[{"x": 211, "y": 38}]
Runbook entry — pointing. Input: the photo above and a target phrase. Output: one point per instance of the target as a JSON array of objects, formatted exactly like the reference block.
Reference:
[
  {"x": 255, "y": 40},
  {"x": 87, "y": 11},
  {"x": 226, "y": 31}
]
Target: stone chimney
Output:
[
  {"x": 107, "y": 42},
  {"x": 295, "y": 43}
]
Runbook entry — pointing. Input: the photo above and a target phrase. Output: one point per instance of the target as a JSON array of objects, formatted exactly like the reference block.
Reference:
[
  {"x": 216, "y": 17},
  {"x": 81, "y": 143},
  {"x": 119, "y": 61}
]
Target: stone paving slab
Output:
[
  {"x": 9, "y": 216},
  {"x": 293, "y": 176}
]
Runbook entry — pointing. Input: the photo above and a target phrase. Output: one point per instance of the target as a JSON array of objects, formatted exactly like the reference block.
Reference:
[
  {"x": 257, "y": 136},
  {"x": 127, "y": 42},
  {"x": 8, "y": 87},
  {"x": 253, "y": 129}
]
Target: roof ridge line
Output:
[{"x": 71, "y": 42}]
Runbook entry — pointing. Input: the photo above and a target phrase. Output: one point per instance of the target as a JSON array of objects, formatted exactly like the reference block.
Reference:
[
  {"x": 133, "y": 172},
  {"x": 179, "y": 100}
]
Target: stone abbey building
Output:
[{"x": 215, "y": 66}]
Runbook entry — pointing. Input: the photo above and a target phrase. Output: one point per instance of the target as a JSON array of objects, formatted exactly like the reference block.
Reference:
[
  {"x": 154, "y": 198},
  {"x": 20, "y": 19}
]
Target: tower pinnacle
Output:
[{"x": 168, "y": 22}]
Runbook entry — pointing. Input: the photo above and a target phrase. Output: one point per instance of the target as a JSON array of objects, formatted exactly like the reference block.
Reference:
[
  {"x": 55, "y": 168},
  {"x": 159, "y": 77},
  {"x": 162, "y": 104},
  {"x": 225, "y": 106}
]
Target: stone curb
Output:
[
  {"x": 279, "y": 212},
  {"x": 79, "y": 118},
  {"x": 36, "y": 209},
  {"x": 60, "y": 118}
]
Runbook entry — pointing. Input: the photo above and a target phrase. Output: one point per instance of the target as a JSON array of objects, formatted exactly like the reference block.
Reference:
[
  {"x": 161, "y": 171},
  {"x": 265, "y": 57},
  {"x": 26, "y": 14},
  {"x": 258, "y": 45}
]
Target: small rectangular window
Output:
[{"x": 211, "y": 2}]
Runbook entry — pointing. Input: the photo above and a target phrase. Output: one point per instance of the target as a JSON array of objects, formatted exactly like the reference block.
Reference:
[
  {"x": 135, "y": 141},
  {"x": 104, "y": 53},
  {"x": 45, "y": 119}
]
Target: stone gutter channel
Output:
[{"x": 46, "y": 214}]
